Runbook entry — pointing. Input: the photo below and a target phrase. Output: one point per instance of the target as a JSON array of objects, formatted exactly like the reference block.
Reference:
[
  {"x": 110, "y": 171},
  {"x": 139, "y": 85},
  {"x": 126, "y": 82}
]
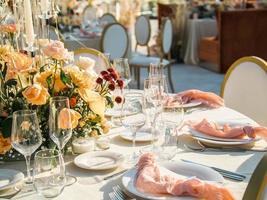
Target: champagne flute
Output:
[
  {"x": 60, "y": 126},
  {"x": 26, "y": 138},
  {"x": 123, "y": 68},
  {"x": 156, "y": 70},
  {"x": 49, "y": 173},
  {"x": 133, "y": 117}
]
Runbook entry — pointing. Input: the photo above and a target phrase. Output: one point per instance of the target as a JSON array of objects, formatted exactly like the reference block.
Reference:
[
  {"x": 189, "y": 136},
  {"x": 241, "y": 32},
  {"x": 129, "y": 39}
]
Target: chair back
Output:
[
  {"x": 244, "y": 88},
  {"x": 89, "y": 13},
  {"x": 142, "y": 30},
  {"x": 107, "y": 18},
  {"x": 54, "y": 34},
  {"x": 101, "y": 62},
  {"x": 257, "y": 186},
  {"x": 114, "y": 41},
  {"x": 167, "y": 36}
]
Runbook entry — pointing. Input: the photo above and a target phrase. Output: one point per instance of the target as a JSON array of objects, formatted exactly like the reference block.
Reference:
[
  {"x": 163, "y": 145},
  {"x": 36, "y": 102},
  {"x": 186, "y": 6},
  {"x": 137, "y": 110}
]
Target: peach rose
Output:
[
  {"x": 5, "y": 144},
  {"x": 95, "y": 101},
  {"x": 36, "y": 94},
  {"x": 85, "y": 63},
  {"x": 68, "y": 118},
  {"x": 55, "y": 49},
  {"x": 19, "y": 62},
  {"x": 41, "y": 79},
  {"x": 8, "y": 28}
]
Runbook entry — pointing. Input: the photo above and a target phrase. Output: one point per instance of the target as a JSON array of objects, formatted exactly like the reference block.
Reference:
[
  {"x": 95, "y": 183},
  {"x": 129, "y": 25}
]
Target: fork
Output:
[{"x": 118, "y": 194}]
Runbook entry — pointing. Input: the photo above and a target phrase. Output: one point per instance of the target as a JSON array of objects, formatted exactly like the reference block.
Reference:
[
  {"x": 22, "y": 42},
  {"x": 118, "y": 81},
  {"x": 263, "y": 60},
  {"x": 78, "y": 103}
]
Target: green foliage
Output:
[{"x": 65, "y": 78}]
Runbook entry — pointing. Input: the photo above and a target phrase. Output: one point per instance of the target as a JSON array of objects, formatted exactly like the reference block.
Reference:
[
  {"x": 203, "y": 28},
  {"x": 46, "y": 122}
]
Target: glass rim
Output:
[
  {"x": 59, "y": 98},
  {"x": 120, "y": 59},
  {"x": 47, "y": 150},
  {"x": 134, "y": 94},
  {"x": 25, "y": 112}
]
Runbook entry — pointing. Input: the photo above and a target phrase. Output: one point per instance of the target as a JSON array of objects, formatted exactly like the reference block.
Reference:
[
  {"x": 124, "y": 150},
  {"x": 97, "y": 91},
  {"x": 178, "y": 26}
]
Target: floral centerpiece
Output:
[{"x": 28, "y": 84}]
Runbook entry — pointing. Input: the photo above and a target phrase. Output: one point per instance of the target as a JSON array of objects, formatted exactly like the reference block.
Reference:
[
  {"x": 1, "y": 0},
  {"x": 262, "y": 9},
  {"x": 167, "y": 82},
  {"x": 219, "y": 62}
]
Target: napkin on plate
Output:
[
  {"x": 226, "y": 131},
  {"x": 153, "y": 179},
  {"x": 207, "y": 98}
]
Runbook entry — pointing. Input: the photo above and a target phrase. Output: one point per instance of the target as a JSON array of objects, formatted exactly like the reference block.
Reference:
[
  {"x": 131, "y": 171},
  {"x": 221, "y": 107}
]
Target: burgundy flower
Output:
[
  {"x": 104, "y": 73},
  {"x": 118, "y": 99},
  {"x": 99, "y": 80},
  {"x": 107, "y": 77},
  {"x": 111, "y": 87},
  {"x": 120, "y": 83},
  {"x": 114, "y": 75},
  {"x": 111, "y": 70}
]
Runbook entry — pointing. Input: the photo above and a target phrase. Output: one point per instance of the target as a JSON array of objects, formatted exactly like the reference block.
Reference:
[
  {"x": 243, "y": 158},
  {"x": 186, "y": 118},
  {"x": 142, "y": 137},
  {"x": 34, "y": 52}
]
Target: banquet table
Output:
[
  {"x": 88, "y": 185},
  {"x": 195, "y": 30}
]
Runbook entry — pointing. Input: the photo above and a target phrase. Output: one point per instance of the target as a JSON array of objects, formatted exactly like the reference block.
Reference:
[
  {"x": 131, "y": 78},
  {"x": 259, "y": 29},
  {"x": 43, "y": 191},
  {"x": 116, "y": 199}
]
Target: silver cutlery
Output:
[
  {"x": 114, "y": 175},
  {"x": 118, "y": 194},
  {"x": 225, "y": 173},
  {"x": 202, "y": 148}
]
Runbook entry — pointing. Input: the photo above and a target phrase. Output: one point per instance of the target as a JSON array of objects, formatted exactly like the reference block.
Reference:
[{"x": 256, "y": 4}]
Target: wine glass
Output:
[
  {"x": 133, "y": 117},
  {"x": 26, "y": 138},
  {"x": 156, "y": 70},
  {"x": 49, "y": 173},
  {"x": 123, "y": 68},
  {"x": 60, "y": 126}
]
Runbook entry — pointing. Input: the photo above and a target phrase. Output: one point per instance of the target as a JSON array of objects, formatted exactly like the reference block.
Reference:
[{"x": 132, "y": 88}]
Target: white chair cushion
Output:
[
  {"x": 167, "y": 36},
  {"x": 142, "y": 60},
  {"x": 142, "y": 30},
  {"x": 245, "y": 89},
  {"x": 115, "y": 41}
]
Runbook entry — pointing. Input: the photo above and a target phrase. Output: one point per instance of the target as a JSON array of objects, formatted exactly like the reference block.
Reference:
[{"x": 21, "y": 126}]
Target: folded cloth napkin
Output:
[
  {"x": 207, "y": 98},
  {"x": 155, "y": 180},
  {"x": 226, "y": 131}
]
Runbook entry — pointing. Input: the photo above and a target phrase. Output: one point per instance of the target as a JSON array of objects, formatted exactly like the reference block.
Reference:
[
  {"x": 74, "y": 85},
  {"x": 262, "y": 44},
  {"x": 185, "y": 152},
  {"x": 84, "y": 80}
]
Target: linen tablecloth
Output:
[
  {"x": 88, "y": 185},
  {"x": 195, "y": 30}
]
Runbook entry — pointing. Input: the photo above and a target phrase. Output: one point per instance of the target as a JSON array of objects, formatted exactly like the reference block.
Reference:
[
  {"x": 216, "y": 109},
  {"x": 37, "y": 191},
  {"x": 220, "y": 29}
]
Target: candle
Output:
[
  {"x": 28, "y": 23},
  {"x": 82, "y": 145}
]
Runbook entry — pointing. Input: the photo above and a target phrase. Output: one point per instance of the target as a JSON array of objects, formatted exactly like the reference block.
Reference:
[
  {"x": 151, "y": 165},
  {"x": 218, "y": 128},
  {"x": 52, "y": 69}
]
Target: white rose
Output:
[{"x": 85, "y": 63}]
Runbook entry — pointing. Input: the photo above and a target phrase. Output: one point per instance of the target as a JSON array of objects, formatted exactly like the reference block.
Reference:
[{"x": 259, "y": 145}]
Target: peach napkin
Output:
[
  {"x": 152, "y": 179},
  {"x": 213, "y": 129},
  {"x": 207, "y": 98}
]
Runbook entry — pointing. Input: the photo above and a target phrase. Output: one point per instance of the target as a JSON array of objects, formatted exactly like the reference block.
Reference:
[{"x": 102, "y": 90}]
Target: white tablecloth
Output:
[
  {"x": 88, "y": 188},
  {"x": 195, "y": 30}
]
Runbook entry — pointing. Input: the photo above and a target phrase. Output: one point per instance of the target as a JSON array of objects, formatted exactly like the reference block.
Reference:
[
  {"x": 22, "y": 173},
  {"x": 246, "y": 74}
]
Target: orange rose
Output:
[
  {"x": 8, "y": 28},
  {"x": 5, "y": 144},
  {"x": 68, "y": 118},
  {"x": 19, "y": 62},
  {"x": 41, "y": 79},
  {"x": 36, "y": 94}
]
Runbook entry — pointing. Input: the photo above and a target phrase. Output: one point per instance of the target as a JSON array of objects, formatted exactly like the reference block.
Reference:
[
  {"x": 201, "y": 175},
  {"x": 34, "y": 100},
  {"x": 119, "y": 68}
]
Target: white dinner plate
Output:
[
  {"x": 178, "y": 169},
  {"x": 187, "y": 105},
  {"x": 143, "y": 135},
  {"x": 9, "y": 177},
  {"x": 202, "y": 136},
  {"x": 102, "y": 160}
]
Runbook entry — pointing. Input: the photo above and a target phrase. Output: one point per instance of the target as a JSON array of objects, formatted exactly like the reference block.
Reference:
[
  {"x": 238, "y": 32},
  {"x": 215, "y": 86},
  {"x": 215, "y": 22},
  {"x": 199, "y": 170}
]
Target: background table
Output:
[
  {"x": 195, "y": 30},
  {"x": 88, "y": 186}
]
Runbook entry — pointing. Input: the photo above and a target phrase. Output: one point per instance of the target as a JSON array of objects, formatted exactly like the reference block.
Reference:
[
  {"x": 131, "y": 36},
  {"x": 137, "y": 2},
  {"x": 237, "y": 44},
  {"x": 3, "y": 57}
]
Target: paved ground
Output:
[{"x": 188, "y": 77}]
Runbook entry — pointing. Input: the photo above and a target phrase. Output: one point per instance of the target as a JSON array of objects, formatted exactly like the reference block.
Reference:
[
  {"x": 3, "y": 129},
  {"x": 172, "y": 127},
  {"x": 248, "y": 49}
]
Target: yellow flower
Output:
[
  {"x": 95, "y": 101},
  {"x": 94, "y": 133},
  {"x": 79, "y": 78},
  {"x": 4, "y": 50},
  {"x": 105, "y": 126},
  {"x": 42, "y": 77},
  {"x": 5, "y": 144},
  {"x": 19, "y": 62},
  {"x": 68, "y": 118},
  {"x": 36, "y": 94}
]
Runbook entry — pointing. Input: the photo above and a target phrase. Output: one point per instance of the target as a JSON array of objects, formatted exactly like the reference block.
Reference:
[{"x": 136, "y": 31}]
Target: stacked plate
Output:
[
  {"x": 9, "y": 179},
  {"x": 202, "y": 137}
]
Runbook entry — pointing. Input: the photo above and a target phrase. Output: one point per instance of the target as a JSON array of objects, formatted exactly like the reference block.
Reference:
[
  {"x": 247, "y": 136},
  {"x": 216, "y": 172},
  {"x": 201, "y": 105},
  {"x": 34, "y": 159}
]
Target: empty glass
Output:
[
  {"x": 133, "y": 117},
  {"x": 123, "y": 68},
  {"x": 49, "y": 173},
  {"x": 60, "y": 126},
  {"x": 156, "y": 70},
  {"x": 26, "y": 137}
]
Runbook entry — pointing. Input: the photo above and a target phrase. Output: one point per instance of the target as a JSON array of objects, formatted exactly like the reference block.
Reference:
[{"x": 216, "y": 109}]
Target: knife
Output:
[
  {"x": 116, "y": 174},
  {"x": 225, "y": 173}
]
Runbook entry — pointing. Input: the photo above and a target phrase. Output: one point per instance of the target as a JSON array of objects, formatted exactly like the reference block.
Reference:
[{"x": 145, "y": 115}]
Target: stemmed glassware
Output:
[
  {"x": 49, "y": 173},
  {"x": 123, "y": 68},
  {"x": 133, "y": 117},
  {"x": 26, "y": 138},
  {"x": 60, "y": 126}
]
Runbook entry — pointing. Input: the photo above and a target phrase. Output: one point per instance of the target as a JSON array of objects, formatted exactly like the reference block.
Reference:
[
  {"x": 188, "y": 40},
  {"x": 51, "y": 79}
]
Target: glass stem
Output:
[
  {"x": 28, "y": 165},
  {"x": 134, "y": 138}
]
